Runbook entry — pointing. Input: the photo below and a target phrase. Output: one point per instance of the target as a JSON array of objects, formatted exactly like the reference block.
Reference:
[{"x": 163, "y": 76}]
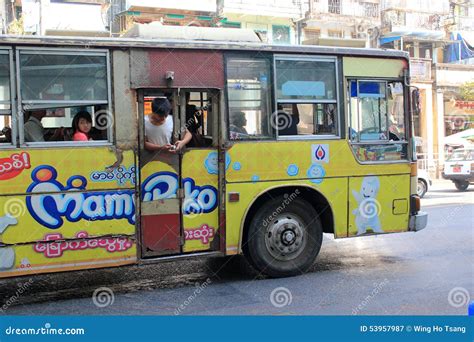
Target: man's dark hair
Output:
[{"x": 160, "y": 106}]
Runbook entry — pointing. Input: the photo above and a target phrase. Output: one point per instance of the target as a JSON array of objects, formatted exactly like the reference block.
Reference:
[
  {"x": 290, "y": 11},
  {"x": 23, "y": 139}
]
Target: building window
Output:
[
  {"x": 334, "y": 6},
  {"x": 281, "y": 34},
  {"x": 371, "y": 10},
  {"x": 310, "y": 34},
  {"x": 335, "y": 33},
  {"x": 306, "y": 92}
]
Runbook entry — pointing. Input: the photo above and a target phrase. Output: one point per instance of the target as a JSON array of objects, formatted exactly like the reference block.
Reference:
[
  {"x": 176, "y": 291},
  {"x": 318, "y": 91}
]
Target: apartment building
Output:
[
  {"x": 342, "y": 23},
  {"x": 65, "y": 17},
  {"x": 425, "y": 29}
]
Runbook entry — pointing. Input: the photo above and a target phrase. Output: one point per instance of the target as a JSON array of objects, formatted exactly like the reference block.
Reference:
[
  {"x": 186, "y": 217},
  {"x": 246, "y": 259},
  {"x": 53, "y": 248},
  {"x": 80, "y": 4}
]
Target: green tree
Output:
[
  {"x": 467, "y": 91},
  {"x": 16, "y": 27}
]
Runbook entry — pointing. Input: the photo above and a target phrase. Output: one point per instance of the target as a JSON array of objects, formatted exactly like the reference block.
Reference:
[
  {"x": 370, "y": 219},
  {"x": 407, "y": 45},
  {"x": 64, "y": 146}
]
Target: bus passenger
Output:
[
  {"x": 7, "y": 133},
  {"x": 237, "y": 125},
  {"x": 287, "y": 123},
  {"x": 82, "y": 125},
  {"x": 159, "y": 128},
  {"x": 34, "y": 130}
]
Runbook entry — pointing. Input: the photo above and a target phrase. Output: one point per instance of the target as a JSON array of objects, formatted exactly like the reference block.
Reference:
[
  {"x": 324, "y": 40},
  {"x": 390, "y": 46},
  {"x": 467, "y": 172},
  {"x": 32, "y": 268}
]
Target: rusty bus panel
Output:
[
  {"x": 191, "y": 69},
  {"x": 125, "y": 107}
]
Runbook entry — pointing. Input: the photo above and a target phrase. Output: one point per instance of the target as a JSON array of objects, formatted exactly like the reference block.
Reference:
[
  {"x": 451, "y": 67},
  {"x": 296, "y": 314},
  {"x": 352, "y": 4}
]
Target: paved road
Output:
[{"x": 425, "y": 273}]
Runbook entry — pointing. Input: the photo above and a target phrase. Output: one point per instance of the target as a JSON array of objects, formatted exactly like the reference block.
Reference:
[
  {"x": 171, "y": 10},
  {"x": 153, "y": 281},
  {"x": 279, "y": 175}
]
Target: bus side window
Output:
[
  {"x": 306, "y": 92},
  {"x": 377, "y": 120},
  {"x": 199, "y": 116},
  {"x": 249, "y": 98},
  {"x": 6, "y": 117},
  {"x": 64, "y": 96}
]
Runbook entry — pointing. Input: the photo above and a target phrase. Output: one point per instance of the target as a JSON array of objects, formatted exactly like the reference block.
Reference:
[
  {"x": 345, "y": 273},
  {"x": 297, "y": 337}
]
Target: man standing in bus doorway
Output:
[{"x": 159, "y": 128}]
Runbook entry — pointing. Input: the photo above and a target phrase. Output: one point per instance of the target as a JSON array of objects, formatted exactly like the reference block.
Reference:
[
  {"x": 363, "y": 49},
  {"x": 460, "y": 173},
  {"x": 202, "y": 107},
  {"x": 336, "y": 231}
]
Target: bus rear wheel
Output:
[{"x": 284, "y": 237}]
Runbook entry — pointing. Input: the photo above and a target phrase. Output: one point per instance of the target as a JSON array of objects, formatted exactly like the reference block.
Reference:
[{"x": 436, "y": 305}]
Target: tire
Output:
[
  {"x": 283, "y": 239},
  {"x": 421, "y": 188},
  {"x": 461, "y": 185}
]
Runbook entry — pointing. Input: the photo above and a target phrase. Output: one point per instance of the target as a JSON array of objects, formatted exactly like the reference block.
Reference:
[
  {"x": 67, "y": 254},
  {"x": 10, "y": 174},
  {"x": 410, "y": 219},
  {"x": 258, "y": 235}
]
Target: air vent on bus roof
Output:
[{"x": 156, "y": 30}]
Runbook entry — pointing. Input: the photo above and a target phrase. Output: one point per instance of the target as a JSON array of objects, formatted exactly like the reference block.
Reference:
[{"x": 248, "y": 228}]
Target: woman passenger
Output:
[{"x": 82, "y": 125}]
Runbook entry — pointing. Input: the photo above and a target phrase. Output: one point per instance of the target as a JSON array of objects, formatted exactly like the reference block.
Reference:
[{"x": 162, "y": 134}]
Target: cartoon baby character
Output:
[
  {"x": 7, "y": 254},
  {"x": 211, "y": 163},
  {"x": 367, "y": 212}
]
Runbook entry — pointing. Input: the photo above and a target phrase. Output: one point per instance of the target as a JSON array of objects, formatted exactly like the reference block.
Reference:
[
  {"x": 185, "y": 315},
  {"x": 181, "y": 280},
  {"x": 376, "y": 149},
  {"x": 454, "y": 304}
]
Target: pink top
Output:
[{"x": 79, "y": 136}]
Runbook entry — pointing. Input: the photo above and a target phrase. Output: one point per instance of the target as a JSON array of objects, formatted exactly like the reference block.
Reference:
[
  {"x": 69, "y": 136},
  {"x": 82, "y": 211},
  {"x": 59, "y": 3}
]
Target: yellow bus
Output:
[{"x": 292, "y": 142}]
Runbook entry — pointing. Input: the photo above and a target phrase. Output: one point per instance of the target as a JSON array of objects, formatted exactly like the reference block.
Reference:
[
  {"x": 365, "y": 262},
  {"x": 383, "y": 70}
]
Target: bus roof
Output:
[{"x": 107, "y": 42}]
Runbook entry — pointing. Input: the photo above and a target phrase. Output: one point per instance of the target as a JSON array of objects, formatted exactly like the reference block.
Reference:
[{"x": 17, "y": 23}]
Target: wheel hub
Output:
[{"x": 285, "y": 238}]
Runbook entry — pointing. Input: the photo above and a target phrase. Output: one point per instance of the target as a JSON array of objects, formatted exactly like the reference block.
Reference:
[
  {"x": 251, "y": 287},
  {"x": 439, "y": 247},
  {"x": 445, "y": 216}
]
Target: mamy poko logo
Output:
[
  {"x": 49, "y": 209},
  {"x": 14, "y": 165},
  {"x": 164, "y": 185},
  {"x": 320, "y": 153}
]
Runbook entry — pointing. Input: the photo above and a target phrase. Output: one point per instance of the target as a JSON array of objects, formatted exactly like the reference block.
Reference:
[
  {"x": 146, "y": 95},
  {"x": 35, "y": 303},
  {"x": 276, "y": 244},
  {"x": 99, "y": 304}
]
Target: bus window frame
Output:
[
  {"x": 226, "y": 123},
  {"x": 12, "y": 112},
  {"x": 214, "y": 95},
  {"x": 73, "y": 52},
  {"x": 368, "y": 142},
  {"x": 313, "y": 58},
  {"x": 407, "y": 119}
]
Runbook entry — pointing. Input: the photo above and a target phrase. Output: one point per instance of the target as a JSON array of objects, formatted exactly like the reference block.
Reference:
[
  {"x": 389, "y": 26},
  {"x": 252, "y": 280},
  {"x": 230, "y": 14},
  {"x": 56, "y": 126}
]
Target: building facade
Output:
[
  {"x": 342, "y": 22},
  {"x": 274, "y": 21},
  {"x": 57, "y": 17},
  {"x": 425, "y": 29}
]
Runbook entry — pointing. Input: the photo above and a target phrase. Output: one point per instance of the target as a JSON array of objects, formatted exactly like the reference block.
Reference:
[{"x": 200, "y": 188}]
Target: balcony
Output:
[
  {"x": 464, "y": 23},
  {"x": 270, "y": 8},
  {"x": 396, "y": 18},
  {"x": 346, "y": 8},
  {"x": 421, "y": 6},
  {"x": 151, "y": 6},
  {"x": 453, "y": 75},
  {"x": 420, "y": 70}
]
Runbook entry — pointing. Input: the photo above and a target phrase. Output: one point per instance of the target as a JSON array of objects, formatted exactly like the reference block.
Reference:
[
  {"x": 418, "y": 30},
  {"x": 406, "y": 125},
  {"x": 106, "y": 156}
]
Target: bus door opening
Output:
[
  {"x": 160, "y": 180},
  {"x": 179, "y": 194},
  {"x": 199, "y": 170}
]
